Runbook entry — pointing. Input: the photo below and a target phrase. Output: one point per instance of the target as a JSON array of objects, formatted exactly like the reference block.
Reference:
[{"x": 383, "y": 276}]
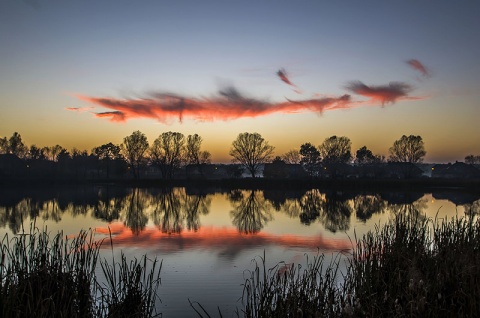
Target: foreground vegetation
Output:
[
  {"x": 409, "y": 268},
  {"x": 44, "y": 277}
]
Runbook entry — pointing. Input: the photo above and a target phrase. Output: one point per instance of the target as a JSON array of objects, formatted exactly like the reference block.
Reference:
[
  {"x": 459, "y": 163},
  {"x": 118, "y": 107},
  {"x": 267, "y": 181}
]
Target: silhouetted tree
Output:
[
  {"x": 134, "y": 148},
  {"x": 365, "y": 156},
  {"x": 35, "y": 153},
  {"x": 52, "y": 152},
  {"x": 310, "y": 158},
  {"x": 335, "y": 150},
  {"x": 292, "y": 157},
  {"x": 14, "y": 145},
  {"x": 194, "y": 155},
  {"x": 3, "y": 145},
  {"x": 167, "y": 152},
  {"x": 408, "y": 149},
  {"x": 471, "y": 159},
  {"x": 107, "y": 153},
  {"x": 251, "y": 150}
]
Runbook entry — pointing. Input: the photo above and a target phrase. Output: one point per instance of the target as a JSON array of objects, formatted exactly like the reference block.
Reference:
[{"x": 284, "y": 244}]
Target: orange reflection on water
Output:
[{"x": 209, "y": 237}]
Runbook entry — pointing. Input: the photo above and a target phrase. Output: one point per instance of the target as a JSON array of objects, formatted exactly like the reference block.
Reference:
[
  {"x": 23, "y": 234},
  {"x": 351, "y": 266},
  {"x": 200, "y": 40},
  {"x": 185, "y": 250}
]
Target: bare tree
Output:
[
  {"x": 336, "y": 150},
  {"x": 134, "y": 148},
  {"x": 251, "y": 150},
  {"x": 292, "y": 157},
  {"x": 408, "y": 149},
  {"x": 471, "y": 159},
  {"x": 167, "y": 152},
  {"x": 194, "y": 155}
]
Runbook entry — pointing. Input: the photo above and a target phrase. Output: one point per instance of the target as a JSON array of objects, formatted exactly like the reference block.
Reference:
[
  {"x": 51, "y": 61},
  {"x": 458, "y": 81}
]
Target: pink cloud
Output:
[
  {"x": 228, "y": 104},
  {"x": 418, "y": 66},
  {"x": 382, "y": 94}
]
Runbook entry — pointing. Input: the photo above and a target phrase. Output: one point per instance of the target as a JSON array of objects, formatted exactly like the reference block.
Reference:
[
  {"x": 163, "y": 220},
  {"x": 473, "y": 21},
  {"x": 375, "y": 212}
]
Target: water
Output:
[{"x": 208, "y": 239}]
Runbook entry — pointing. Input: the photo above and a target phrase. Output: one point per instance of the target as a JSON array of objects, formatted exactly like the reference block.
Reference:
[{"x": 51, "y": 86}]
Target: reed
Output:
[
  {"x": 411, "y": 267},
  {"x": 42, "y": 276}
]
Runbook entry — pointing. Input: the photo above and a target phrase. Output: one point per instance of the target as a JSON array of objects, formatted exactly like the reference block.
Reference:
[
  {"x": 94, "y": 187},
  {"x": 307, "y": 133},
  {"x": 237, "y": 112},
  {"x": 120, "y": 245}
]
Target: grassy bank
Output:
[
  {"x": 408, "y": 268},
  {"x": 42, "y": 276}
]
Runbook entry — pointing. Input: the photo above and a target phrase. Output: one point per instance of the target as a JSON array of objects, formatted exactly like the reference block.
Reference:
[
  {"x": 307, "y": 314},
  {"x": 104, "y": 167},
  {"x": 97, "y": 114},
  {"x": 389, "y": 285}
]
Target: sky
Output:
[{"x": 85, "y": 73}]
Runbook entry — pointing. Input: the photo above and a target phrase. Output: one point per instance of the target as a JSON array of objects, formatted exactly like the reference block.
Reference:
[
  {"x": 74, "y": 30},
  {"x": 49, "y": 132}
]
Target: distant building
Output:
[
  {"x": 458, "y": 170},
  {"x": 281, "y": 170}
]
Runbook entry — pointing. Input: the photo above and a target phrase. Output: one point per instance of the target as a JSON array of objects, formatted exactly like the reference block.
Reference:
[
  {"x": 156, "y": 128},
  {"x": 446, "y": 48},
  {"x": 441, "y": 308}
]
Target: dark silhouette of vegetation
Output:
[
  {"x": 335, "y": 150},
  {"x": 44, "y": 277},
  {"x": 251, "y": 150},
  {"x": 471, "y": 159},
  {"x": 408, "y": 149},
  {"x": 310, "y": 158},
  {"x": 173, "y": 157},
  {"x": 365, "y": 156},
  {"x": 134, "y": 148},
  {"x": 292, "y": 157}
]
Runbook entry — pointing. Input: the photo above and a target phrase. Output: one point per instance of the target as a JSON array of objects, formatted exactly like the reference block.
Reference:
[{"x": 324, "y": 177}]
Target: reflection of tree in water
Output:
[
  {"x": 167, "y": 212},
  {"x": 109, "y": 209},
  {"x": 311, "y": 206},
  {"x": 414, "y": 209},
  {"x": 174, "y": 209},
  {"x": 336, "y": 213},
  {"x": 135, "y": 217},
  {"x": 292, "y": 208},
  {"x": 194, "y": 206},
  {"x": 472, "y": 209},
  {"x": 367, "y": 205},
  {"x": 332, "y": 211},
  {"x": 250, "y": 212}
]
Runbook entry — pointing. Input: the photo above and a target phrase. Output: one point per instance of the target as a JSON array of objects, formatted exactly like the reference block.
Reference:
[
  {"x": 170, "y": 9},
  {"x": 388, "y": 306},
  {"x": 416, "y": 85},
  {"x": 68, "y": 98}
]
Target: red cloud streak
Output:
[
  {"x": 383, "y": 94},
  {"x": 216, "y": 238},
  {"x": 230, "y": 104}
]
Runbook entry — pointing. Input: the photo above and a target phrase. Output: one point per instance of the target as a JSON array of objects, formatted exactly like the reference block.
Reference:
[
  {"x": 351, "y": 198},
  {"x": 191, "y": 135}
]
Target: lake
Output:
[{"x": 208, "y": 237}]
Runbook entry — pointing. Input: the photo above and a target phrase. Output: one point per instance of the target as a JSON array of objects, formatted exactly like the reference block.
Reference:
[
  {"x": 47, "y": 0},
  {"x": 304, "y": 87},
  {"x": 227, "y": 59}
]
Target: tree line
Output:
[{"x": 172, "y": 150}]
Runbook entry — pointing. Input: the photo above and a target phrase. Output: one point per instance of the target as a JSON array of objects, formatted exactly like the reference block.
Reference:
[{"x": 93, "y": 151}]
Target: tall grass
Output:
[
  {"x": 411, "y": 267},
  {"x": 44, "y": 277}
]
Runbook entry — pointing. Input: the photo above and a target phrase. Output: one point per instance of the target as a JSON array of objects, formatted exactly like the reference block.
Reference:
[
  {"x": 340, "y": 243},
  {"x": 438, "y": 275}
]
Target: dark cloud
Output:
[
  {"x": 418, "y": 66},
  {"x": 383, "y": 94},
  {"x": 282, "y": 74}
]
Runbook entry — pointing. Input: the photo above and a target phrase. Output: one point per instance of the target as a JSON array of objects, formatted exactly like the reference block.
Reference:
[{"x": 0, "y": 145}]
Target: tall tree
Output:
[
  {"x": 408, "y": 149},
  {"x": 3, "y": 145},
  {"x": 35, "y": 153},
  {"x": 292, "y": 157},
  {"x": 365, "y": 156},
  {"x": 336, "y": 150},
  {"x": 14, "y": 145},
  {"x": 134, "y": 148},
  {"x": 167, "y": 152},
  {"x": 251, "y": 151},
  {"x": 310, "y": 158},
  {"x": 194, "y": 154},
  {"x": 107, "y": 153}
]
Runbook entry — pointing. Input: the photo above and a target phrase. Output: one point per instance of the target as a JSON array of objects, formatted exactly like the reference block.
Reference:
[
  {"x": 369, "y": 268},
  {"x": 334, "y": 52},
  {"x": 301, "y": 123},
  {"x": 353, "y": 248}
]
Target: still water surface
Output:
[{"x": 207, "y": 238}]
